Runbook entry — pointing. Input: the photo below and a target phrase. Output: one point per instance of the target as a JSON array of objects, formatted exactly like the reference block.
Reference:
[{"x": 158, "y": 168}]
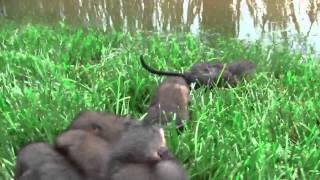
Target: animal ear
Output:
[{"x": 69, "y": 138}]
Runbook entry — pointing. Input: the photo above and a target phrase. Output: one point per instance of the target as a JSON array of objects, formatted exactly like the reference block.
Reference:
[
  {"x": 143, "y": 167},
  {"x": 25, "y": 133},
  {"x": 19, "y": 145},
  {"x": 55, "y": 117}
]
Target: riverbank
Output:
[{"x": 265, "y": 128}]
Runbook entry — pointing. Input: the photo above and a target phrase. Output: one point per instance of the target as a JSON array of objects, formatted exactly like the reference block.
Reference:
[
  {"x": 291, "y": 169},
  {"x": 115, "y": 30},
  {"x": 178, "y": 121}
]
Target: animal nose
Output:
[{"x": 164, "y": 154}]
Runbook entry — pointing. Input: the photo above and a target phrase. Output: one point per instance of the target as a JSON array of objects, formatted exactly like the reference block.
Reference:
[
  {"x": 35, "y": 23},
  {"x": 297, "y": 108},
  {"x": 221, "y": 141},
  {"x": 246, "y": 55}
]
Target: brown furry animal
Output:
[
  {"x": 206, "y": 74},
  {"x": 232, "y": 73},
  {"x": 201, "y": 73},
  {"x": 240, "y": 69},
  {"x": 209, "y": 73},
  {"x": 141, "y": 154},
  {"x": 105, "y": 125},
  {"x": 170, "y": 101},
  {"x": 39, "y": 161},
  {"x": 88, "y": 151}
]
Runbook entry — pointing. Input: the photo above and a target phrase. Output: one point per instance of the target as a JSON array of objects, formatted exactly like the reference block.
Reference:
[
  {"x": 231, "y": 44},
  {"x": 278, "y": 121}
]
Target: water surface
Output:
[{"x": 294, "y": 21}]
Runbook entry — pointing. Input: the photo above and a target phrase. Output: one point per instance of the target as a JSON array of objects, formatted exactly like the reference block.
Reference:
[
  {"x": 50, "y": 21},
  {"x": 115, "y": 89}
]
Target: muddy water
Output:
[{"x": 290, "y": 20}]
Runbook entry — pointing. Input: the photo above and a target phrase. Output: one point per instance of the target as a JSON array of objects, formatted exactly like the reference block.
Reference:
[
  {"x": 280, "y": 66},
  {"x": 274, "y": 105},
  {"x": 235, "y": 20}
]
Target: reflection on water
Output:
[{"x": 245, "y": 19}]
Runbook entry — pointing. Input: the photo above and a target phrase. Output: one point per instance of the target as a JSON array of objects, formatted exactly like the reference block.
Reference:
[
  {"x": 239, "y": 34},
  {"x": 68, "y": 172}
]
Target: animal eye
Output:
[{"x": 96, "y": 127}]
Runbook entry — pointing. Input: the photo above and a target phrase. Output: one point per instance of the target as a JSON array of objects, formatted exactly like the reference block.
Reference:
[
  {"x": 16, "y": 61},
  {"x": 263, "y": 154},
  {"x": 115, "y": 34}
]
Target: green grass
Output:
[{"x": 267, "y": 128}]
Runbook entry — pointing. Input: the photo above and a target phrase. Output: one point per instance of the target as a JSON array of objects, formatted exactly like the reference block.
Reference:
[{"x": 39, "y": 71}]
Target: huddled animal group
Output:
[{"x": 104, "y": 146}]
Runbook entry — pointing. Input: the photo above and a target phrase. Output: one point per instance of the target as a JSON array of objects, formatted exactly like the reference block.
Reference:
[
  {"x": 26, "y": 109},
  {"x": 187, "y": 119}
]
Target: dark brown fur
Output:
[
  {"x": 210, "y": 73},
  {"x": 201, "y": 73},
  {"x": 170, "y": 100},
  {"x": 223, "y": 75},
  {"x": 240, "y": 69},
  {"x": 105, "y": 125},
  {"x": 205, "y": 74},
  {"x": 233, "y": 73},
  {"x": 141, "y": 154},
  {"x": 38, "y": 161},
  {"x": 88, "y": 151}
]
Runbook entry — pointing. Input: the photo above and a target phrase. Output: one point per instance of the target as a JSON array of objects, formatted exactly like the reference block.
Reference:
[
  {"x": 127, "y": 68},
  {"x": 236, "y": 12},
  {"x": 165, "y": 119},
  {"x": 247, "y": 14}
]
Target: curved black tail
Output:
[{"x": 162, "y": 73}]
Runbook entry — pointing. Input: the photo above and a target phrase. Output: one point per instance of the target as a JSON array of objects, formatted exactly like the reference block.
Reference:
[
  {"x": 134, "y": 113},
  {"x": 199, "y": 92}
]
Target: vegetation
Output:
[{"x": 266, "y": 128}]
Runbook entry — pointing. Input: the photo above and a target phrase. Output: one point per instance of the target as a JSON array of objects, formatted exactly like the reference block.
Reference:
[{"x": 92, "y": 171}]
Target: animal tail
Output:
[{"x": 162, "y": 73}]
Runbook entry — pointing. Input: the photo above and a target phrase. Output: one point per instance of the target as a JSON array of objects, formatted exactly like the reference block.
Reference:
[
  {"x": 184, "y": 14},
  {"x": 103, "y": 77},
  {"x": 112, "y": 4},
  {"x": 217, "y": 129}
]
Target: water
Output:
[{"x": 294, "y": 21}]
